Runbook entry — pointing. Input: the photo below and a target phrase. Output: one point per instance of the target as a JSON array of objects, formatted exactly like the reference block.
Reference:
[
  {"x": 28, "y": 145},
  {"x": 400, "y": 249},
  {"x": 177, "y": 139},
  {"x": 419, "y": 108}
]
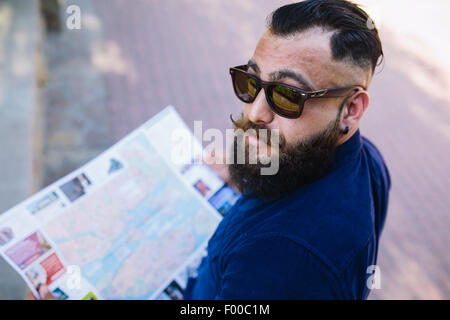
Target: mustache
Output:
[{"x": 245, "y": 124}]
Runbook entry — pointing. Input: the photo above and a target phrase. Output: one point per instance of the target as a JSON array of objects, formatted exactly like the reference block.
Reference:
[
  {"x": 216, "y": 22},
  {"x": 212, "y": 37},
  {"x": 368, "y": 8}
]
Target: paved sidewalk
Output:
[{"x": 19, "y": 116}]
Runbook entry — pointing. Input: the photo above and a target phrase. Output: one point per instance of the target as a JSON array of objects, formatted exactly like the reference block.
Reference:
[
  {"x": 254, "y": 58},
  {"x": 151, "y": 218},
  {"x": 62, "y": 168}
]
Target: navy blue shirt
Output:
[{"x": 315, "y": 243}]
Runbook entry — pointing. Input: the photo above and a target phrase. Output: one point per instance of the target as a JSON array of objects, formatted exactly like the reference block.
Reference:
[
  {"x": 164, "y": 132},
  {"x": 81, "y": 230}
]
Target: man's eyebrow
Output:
[
  {"x": 252, "y": 64},
  {"x": 278, "y": 75},
  {"x": 285, "y": 73}
]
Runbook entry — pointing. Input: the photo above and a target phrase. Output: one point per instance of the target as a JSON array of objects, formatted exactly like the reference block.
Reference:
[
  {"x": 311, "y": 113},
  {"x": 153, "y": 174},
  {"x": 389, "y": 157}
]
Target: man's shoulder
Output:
[{"x": 335, "y": 235}]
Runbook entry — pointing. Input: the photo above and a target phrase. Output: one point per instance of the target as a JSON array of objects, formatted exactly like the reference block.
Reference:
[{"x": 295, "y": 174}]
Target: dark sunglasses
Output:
[{"x": 285, "y": 100}]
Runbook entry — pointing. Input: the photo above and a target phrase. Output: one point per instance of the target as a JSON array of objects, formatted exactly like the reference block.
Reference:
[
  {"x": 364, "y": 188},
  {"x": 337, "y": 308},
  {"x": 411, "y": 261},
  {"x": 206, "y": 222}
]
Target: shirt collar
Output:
[{"x": 347, "y": 151}]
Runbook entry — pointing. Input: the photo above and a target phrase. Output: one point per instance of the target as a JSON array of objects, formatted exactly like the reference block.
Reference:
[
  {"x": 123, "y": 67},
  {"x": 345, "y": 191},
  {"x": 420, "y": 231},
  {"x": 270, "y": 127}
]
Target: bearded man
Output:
[{"x": 312, "y": 229}]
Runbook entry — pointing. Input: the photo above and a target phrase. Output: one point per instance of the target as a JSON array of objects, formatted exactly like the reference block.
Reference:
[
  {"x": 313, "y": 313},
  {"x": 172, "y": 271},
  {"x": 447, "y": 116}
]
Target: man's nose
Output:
[{"x": 259, "y": 112}]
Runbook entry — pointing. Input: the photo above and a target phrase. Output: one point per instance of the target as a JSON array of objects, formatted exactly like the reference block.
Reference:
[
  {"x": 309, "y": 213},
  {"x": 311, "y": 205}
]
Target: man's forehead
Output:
[{"x": 307, "y": 53}]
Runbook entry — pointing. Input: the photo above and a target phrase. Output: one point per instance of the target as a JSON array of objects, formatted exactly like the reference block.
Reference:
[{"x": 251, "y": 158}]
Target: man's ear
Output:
[{"x": 354, "y": 110}]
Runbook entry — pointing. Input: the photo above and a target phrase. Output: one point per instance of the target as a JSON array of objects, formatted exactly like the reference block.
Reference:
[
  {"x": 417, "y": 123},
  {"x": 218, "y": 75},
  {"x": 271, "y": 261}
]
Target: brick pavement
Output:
[{"x": 178, "y": 52}]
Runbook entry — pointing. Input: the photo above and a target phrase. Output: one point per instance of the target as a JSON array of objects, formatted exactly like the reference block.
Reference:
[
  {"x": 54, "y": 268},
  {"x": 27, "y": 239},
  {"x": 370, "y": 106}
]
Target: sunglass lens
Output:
[
  {"x": 244, "y": 86},
  {"x": 286, "y": 101}
]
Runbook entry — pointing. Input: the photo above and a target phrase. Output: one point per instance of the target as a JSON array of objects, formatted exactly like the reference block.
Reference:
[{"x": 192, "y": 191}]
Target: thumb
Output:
[{"x": 45, "y": 293}]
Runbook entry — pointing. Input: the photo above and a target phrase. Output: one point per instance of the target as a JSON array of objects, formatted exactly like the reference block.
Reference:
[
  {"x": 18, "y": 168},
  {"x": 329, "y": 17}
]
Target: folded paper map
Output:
[{"x": 132, "y": 223}]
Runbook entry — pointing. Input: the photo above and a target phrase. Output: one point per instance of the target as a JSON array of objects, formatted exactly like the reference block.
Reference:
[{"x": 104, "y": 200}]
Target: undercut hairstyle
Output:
[{"x": 355, "y": 38}]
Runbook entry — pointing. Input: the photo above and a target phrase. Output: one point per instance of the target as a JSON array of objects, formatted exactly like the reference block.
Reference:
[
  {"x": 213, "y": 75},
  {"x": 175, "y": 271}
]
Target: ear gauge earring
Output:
[{"x": 347, "y": 129}]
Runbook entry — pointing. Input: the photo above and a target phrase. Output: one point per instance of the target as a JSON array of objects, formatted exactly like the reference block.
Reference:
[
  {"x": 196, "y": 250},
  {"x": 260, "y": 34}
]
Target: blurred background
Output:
[{"x": 66, "y": 95}]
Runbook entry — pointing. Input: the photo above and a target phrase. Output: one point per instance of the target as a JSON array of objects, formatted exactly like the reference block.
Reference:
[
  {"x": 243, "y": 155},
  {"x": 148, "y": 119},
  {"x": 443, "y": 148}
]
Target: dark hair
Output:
[{"x": 356, "y": 37}]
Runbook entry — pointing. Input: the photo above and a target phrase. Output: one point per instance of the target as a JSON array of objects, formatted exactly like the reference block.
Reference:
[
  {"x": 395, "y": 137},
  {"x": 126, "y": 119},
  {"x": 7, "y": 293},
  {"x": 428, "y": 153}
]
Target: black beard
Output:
[{"x": 300, "y": 164}]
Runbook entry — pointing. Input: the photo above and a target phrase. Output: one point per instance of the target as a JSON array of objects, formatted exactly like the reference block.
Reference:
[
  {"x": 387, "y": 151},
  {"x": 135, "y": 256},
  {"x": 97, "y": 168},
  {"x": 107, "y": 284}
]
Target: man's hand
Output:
[
  {"x": 216, "y": 160},
  {"x": 220, "y": 167},
  {"x": 44, "y": 294}
]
